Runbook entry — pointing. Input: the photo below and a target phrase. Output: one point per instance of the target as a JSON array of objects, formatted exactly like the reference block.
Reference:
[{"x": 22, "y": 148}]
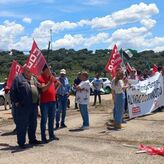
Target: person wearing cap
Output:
[
  {"x": 62, "y": 94},
  {"x": 50, "y": 86},
  {"x": 24, "y": 95},
  {"x": 82, "y": 98},
  {"x": 7, "y": 95}
]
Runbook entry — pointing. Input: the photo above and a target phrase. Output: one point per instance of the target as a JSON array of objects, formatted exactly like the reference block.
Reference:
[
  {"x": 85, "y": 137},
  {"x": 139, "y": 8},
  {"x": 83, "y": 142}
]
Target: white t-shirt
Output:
[
  {"x": 82, "y": 97},
  {"x": 97, "y": 84},
  {"x": 119, "y": 87}
]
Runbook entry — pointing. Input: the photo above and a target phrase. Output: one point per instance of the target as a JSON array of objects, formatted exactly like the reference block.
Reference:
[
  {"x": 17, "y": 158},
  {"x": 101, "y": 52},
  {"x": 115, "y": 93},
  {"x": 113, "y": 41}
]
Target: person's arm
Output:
[
  {"x": 44, "y": 86},
  {"x": 123, "y": 85},
  {"x": 57, "y": 85}
]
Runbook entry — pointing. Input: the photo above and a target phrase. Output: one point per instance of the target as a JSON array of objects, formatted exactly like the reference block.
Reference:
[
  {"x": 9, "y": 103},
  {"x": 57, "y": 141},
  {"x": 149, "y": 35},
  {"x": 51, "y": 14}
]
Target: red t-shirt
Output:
[{"x": 50, "y": 94}]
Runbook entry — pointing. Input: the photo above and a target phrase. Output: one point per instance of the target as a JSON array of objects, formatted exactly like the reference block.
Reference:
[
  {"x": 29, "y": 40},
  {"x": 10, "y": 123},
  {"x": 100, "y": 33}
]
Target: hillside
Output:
[{"x": 75, "y": 61}]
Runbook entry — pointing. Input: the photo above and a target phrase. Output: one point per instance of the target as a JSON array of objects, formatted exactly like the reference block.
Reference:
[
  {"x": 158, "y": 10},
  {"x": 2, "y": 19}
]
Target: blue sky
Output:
[{"x": 92, "y": 24}]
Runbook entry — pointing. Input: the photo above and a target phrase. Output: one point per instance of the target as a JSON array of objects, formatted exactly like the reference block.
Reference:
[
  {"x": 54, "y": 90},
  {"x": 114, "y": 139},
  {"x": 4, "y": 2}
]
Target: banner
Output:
[
  {"x": 114, "y": 61},
  {"x": 145, "y": 96},
  {"x": 16, "y": 69},
  {"x": 36, "y": 60}
]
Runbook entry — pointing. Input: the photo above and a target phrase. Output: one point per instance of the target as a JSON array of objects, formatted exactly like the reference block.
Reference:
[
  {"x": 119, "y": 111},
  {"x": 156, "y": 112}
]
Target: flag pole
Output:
[{"x": 49, "y": 45}]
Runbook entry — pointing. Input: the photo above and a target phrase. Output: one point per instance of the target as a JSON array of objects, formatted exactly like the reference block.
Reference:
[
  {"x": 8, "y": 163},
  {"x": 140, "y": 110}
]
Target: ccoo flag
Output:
[
  {"x": 114, "y": 61},
  {"x": 16, "y": 69},
  {"x": 36, "y": 60}
]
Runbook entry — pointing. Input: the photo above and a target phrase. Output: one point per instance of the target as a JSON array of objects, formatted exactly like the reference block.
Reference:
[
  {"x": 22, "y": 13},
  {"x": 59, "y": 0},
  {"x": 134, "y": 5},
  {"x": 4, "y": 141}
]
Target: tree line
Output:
[{"x": 74, "y": 61}]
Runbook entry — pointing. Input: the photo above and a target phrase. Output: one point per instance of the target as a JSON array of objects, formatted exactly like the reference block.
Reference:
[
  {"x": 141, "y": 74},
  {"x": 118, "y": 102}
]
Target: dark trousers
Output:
[
  {"x": 47, "y": 111},
  {"x": 97, "y": 93},
  {"x": 26, "y": 120},
  {"x": 62, "y": 107}
]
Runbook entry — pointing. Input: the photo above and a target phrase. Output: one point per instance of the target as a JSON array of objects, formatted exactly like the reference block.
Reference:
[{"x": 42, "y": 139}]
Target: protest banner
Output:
[
  {"x": 145, "y": 96},
  {"x": 114, "y": 61},
  {"x": 15, "y": 70},
  {"x": 36, "y": 60}
]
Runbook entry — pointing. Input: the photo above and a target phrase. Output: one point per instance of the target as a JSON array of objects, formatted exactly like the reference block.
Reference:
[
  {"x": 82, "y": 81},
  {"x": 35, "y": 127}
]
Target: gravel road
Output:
[{"x": 98, "y": 145}]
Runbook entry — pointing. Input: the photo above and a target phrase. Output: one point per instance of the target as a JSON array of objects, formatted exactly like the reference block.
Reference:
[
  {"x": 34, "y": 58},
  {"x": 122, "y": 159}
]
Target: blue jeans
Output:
[
  {"x": 47, "y": 111},
  {"x": 62, "y": 107},
  {"x": 84, "y": 114},
  {"x": 119, "y": 107}
]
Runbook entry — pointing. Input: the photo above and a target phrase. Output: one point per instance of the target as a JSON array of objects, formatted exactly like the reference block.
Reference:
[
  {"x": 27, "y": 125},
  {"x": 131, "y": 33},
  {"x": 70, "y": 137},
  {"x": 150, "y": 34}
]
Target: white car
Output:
[
  {"x": 2, "y": 93},
  {"x": 106, "y": 85}
]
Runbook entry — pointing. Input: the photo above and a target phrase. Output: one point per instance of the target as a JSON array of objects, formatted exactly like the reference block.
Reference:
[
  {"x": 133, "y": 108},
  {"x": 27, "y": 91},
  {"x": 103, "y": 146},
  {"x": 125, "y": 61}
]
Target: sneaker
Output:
[
  {"x": 63, "y": 126},
  {"x": 85, "y": 127},
  {"x": 119, "y": 126},
  {"x": 35, "y": 142}
]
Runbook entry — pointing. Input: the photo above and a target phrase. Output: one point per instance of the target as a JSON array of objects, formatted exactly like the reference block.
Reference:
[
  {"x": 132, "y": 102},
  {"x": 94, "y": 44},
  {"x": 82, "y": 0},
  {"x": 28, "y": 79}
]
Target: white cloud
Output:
[
  {"x": 27, "y": 20},
  {"x": 134, "y": 37},
  {"x": 99, "y": 38},
  {"x": 69, "y": 41},
  {"x": 78, "y": 41},
  {"x": 133, "y": 14},
  {"x": 9, "y": 32}
]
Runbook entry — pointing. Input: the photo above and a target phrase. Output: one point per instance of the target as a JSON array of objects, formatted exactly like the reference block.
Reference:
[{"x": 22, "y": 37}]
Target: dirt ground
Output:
[{"x": 98, "y": 145}]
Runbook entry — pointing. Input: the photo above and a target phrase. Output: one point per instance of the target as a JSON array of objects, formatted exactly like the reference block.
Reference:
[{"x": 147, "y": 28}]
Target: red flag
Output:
[
  {"x": 128, "y": 67},
  {"x": 114, "y": 61},
  {"x": 36, "y": 60},
  {"x": 152, "y": 150},
  {"x": 155, "y": 68},
  {"x": 16, "y": 69}
]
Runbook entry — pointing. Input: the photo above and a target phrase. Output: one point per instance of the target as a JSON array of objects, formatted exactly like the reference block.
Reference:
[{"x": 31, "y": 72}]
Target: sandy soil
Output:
[{"x": 96, "y": 145}]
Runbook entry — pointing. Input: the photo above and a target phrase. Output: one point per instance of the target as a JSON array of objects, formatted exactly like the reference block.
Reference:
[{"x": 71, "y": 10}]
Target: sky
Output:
[{"x": 78, "y": 24}]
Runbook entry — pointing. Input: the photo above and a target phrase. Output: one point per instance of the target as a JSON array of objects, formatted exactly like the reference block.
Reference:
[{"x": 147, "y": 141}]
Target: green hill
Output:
[{"x": 75, "y": 61}]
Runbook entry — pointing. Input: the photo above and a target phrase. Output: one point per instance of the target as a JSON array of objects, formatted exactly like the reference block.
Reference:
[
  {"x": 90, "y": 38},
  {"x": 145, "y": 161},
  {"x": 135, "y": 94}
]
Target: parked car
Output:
[
  {"x": 2, "y": 97},
  {"x": 106, "y": 89}
]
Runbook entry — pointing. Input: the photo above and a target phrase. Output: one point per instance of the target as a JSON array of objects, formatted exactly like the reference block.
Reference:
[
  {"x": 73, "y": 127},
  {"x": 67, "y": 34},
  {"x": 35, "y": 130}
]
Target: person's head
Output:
[
  {"x": 84, "y": 76},
  {"x": 97, "y": 75},
  {"x": 27, "y": 72},
  {"x": 46, "y": 71},
  {"x": 119, "y": 76},
  {"x": 62, "y": 73}
]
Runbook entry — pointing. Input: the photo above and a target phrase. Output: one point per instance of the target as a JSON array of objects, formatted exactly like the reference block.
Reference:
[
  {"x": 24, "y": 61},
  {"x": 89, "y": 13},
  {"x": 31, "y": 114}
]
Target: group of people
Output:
[
  {"x": 29, "y": 92},
  {"x": 50, "y": 93},
  {"x": 120, "y": 84}
]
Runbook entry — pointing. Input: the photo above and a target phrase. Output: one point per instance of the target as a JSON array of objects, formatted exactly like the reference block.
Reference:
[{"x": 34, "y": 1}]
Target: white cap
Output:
[{"x": 63, "y": 71}]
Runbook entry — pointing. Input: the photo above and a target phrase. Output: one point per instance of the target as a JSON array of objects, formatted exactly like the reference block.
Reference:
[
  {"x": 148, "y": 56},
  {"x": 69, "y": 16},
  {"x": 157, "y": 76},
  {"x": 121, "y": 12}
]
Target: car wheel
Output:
[
  {"x": 107, "y": 90},
  {"x": 2, "y": 100}
]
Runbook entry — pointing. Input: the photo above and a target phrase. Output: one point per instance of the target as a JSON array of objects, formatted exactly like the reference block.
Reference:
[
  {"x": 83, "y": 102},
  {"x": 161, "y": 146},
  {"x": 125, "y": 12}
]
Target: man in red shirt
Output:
[{"x": 48, "y": 103}]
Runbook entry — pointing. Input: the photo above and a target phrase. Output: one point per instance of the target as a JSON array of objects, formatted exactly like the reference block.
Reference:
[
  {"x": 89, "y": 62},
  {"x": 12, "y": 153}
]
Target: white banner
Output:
[{"x": 145, "y": 96}]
